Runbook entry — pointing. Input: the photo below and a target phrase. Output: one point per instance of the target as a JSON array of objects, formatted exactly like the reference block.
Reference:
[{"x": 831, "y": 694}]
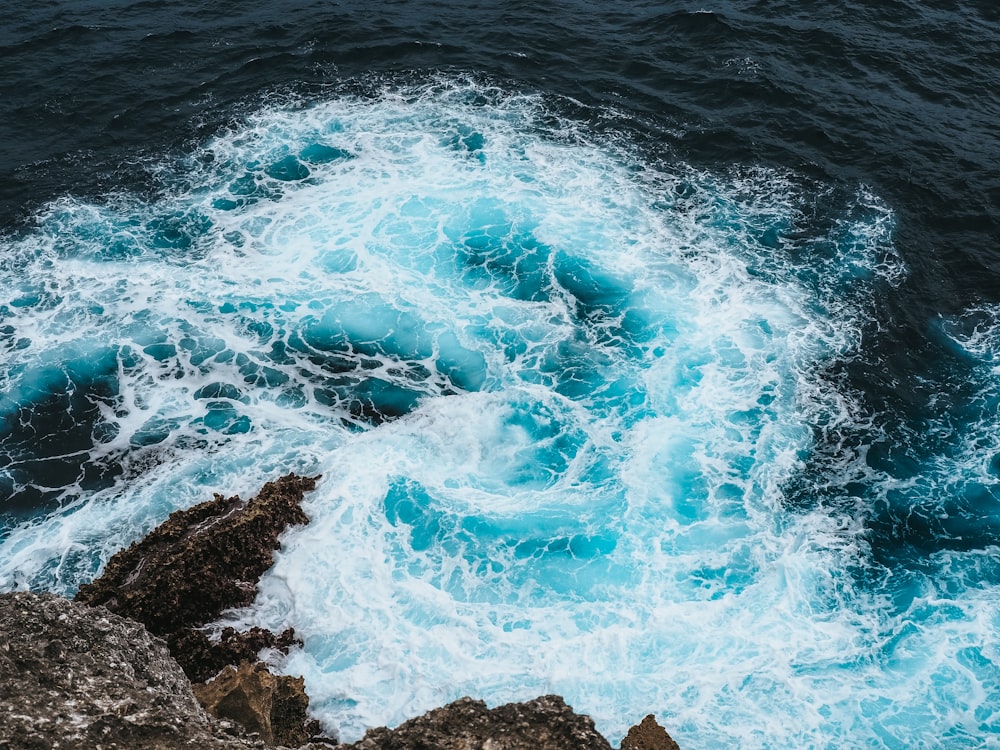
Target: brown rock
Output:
[
  {"x": 272, "y": 705},
  {"x": 200, "y": 561},
  {"x": 648, "y": 735},
  {"x": 202, "y": 659},
  {"x": 545, "y": 723}
]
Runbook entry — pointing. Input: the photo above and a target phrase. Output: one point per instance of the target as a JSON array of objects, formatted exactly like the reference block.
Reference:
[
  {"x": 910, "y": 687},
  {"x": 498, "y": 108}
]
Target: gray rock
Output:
[{"x": 73, "y": 676}]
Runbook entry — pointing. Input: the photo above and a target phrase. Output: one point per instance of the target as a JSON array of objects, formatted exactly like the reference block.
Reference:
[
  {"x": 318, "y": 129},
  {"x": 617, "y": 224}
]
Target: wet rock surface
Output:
[
  {"x": 76, "y": 676},
  {"x": 79, "y": 677},
  {"x": 545, "y": 723},
  {"x": 202, "y": 658},
  {"x": 200, "y": 561},
  {"x": 73, "y": 676}
]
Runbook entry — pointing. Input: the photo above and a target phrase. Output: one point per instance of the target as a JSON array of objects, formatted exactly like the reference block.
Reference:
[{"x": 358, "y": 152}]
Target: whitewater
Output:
[{"x": 568, "y": 397}]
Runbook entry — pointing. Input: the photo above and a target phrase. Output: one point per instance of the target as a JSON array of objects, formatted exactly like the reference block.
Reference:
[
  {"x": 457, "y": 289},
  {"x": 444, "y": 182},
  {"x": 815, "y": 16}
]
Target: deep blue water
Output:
[{"x": 650, "y": 354}]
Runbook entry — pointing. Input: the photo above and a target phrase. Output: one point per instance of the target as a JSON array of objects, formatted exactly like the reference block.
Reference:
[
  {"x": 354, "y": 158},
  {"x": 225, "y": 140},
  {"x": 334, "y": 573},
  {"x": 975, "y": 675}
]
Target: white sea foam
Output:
[{"x": 607, "y": 368}]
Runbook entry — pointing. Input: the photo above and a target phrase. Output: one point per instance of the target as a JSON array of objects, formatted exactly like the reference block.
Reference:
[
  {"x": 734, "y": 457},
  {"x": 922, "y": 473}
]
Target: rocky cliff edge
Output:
[{"x": 104, "y": 672}]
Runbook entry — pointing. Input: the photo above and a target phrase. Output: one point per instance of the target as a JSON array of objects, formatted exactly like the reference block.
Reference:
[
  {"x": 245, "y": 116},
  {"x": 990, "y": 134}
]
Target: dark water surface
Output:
[{"x": 845, "y": 156}]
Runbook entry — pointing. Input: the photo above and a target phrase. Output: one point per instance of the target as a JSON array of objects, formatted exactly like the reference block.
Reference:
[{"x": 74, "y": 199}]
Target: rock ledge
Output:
[
  {"x": 75, "y": 675},
  {"x": 79, "y": 677}
]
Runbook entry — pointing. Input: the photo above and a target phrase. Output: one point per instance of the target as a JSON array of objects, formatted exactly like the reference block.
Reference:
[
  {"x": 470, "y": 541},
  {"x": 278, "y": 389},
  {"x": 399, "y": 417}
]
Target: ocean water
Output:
[{"x": 650, "y": 356}]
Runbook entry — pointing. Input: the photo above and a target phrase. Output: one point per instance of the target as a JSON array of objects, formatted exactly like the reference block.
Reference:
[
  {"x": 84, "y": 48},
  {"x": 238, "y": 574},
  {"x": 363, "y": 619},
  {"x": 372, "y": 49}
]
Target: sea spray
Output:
[{"x": 558, "y": 389}]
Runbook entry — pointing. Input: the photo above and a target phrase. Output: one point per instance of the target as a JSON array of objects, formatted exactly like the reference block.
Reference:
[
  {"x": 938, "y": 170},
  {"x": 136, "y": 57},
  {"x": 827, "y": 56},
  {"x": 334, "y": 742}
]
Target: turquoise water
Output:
[{"x": 575, "y": 407}]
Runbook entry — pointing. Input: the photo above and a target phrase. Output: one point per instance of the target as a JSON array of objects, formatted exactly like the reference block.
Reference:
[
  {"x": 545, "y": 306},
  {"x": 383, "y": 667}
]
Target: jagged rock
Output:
[
  {"x": 74, "y": 676},
  {"x": 272, "y": 705},
  {"x": 202, "y": 659},
  {"x": 79, "y": 677},
  {"x": 545, "y": 723},
  {"x": 200, "y": 561},
  {"x": 648, "y": 735}
]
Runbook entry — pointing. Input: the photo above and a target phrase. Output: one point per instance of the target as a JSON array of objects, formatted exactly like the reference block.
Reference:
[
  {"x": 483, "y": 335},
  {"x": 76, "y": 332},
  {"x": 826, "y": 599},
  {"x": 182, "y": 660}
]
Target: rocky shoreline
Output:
[{"x": 127, "y": 664}]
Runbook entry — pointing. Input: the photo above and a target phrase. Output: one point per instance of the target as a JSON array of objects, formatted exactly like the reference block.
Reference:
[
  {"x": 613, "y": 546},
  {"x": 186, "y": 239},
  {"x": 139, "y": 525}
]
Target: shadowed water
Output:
[{"x": 661, "y": 395}]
